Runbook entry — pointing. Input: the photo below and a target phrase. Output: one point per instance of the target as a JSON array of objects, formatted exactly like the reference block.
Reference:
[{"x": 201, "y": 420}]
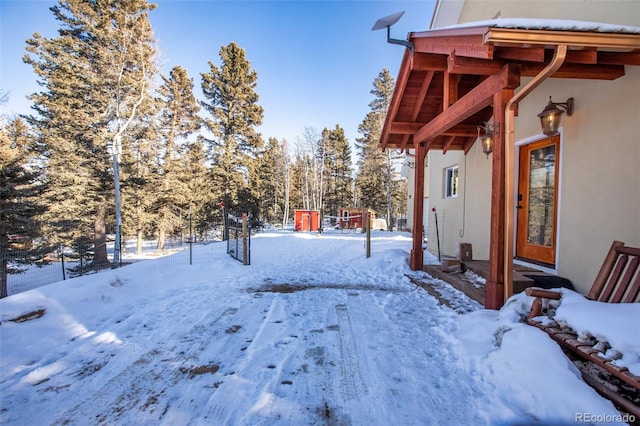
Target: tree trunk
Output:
[
  {"x": 161, "y": 234},
  {"x": 100, "y": 238},
  {"x": 139, "y": 242},
  {"x": 285, "y": 214}
]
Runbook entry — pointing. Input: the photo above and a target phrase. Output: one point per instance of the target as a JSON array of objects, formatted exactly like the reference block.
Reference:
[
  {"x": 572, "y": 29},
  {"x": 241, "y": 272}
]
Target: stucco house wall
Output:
[
  {"x": 599, "y": 184},
  {"x": 599, "y": 181},
  {"x": 464, "y": 218}
]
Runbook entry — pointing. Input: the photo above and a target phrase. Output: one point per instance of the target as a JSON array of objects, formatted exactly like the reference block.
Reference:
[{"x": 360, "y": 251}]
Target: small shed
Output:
[
  {"x": 352, "y": 217},
  {"x": 307, "y": 220}
]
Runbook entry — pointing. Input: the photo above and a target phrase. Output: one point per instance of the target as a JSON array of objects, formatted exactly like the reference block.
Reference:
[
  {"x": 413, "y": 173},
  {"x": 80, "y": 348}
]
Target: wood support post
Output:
[
  {"x": 416, "y": 258},
  {"x": 494, "y": 288}
]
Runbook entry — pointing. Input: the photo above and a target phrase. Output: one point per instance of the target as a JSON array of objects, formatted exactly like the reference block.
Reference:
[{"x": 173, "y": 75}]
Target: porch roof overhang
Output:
[
  {"x": 445, "y": 87},
  {"x": 457, "y": 78}
]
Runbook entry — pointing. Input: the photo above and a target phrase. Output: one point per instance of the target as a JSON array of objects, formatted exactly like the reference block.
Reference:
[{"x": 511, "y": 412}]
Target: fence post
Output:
[
  {"x": 245, "y": 254},
  {"x": 225, "y": 225},
  {"x": 368, "y": 218},
  {"x": 190, "y": 239},
  {"x": 64, "y": 277}
]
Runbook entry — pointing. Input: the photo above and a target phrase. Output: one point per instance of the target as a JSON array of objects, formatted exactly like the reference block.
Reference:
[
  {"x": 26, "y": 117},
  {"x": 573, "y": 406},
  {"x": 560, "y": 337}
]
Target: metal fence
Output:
[
  {"x": 238, "y": 237},
  {"x": 24, "y": 273}
]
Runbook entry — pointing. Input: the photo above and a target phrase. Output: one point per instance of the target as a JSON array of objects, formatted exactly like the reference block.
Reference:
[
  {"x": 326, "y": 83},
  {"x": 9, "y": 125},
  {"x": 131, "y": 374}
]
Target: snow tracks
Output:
[{"x": 284, "y": 355}]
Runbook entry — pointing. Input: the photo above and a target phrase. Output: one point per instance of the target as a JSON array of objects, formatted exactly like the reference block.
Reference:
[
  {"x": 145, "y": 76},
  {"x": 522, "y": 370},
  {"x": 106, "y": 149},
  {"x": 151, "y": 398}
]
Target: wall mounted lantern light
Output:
[
  {"x": 550, "y": 115},
  {"x": 486, "y": 138}
]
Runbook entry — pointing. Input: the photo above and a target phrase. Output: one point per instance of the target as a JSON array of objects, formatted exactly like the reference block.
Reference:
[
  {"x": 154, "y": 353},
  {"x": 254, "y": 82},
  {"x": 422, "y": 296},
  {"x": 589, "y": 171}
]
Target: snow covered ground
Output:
[{"x": 312, "y": 332}]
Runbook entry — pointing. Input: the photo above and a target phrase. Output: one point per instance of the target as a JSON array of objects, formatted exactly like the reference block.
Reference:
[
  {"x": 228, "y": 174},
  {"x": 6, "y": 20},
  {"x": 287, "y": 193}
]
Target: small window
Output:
[{"x": 451, "y": 182}]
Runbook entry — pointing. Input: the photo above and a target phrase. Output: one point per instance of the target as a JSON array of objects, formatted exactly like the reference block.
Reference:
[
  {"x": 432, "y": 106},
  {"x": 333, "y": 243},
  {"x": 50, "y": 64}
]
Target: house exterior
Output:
[{"x": 555, "y": 201}]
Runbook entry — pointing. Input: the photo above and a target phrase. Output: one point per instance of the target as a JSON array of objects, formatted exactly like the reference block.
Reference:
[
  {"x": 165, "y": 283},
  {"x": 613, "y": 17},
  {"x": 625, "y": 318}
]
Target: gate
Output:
[{"x": 239, "y": 238}]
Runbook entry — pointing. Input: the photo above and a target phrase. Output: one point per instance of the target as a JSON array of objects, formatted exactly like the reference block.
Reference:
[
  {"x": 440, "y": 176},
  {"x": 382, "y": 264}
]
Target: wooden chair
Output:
[{"x": 618, "y": 281}]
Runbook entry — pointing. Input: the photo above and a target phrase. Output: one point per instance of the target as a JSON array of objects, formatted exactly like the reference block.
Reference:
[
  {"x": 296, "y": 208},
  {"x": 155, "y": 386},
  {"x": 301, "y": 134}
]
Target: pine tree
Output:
[
  {"x": 337, "y": 174},
  {"x": 286, "y": 175},
  {"x": 232, "y": 102},
  {"x": 96, "y": 76},
  {"x": 271, "y": 190},
  {"x": 376, "y": 179},
  {"x": 178, "y": 120},
  {"x": 371, "y": 176},
  {"x": 299, "y": 181},
  {"x": 204, "y": 211},
  {"x": 140, "y": 171},
  {"x": 20, "y": 189}
]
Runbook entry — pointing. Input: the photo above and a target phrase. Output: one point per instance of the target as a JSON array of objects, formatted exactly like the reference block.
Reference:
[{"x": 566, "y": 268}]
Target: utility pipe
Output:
[{"x": 509, "y": 154}]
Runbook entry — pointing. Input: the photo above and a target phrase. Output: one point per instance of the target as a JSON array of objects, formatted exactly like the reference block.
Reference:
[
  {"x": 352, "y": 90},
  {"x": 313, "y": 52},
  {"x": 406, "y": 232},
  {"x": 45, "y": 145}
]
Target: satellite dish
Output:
[{"x": 387, "y": 22}]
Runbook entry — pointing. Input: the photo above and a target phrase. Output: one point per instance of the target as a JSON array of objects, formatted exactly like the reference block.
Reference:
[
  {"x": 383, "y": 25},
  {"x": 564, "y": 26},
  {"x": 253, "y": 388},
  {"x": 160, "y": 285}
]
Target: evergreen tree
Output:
[
  {"x": 286, "y": 174},
  {"x": 20, "y": 189},
  {"x": 399, "y": 199},
  {"x": 140, "y": 170},
  {"x": 231, "y": 101},
  {"x": 337, "y": 174},
  {"x": 371, "y": 176},
  {"x": 178, "y": 120},
  {"x": 299, "y": 181},
  {"x": 376, "y": 179},
  {"x": 96, "y": 76},
  {"x": 271, "y": 191},
  {"x": 204, "y": 211}
]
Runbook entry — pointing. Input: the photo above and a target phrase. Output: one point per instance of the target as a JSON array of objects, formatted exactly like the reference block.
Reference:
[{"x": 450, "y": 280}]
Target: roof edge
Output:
[{"x": 547, "y": 25}]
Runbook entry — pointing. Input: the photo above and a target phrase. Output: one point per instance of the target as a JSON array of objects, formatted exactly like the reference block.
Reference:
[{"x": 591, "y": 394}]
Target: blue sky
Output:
[{"x": 316, "y": 60}]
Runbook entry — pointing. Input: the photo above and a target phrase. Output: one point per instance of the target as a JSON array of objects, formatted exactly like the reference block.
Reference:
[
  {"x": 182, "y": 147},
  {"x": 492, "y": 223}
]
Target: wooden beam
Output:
[
  {"x": 585, "y": 71},
  {"x": 428, "y": 144},
  {"x": 619, "y": 58},
  {"x": 450, "y": 89},
  {"x": 468, "y": 144},
  {"x": 585, "y": 56},
  {"x": 422, "y": 93},
  {"x": 462, "y": 65},
  {"x": 401, "y": 84},
  {"x": 529, "y": 54},
  {"x": 464, "y": 130},
  {"x": 404, "y": 143},
  {"x": 447, "y": 144},
  {"x": 404, "y": 128},
  {"x": 429, "y": 62},
  {"x": 477, "y": 99},
  {"x": 465, "y": 45}
]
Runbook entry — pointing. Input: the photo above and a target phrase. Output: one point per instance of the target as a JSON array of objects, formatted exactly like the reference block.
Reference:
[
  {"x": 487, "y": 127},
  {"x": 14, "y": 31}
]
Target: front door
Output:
[{"x": 538, "y": 201}]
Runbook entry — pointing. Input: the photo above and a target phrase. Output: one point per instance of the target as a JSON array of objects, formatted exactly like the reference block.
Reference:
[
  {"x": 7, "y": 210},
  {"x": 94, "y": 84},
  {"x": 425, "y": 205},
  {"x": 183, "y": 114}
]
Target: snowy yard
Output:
[{"x": 311, "y": 333}]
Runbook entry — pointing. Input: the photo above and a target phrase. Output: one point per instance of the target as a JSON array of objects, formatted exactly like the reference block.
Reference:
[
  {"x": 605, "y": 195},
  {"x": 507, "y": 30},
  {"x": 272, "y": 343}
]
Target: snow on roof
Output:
[{"x": 549, "y": 25}]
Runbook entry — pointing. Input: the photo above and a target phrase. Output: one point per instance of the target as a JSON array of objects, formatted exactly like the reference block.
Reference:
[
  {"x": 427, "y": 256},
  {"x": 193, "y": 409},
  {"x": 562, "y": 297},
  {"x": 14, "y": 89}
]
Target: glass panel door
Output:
[{"x": 537, "y": 201}]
